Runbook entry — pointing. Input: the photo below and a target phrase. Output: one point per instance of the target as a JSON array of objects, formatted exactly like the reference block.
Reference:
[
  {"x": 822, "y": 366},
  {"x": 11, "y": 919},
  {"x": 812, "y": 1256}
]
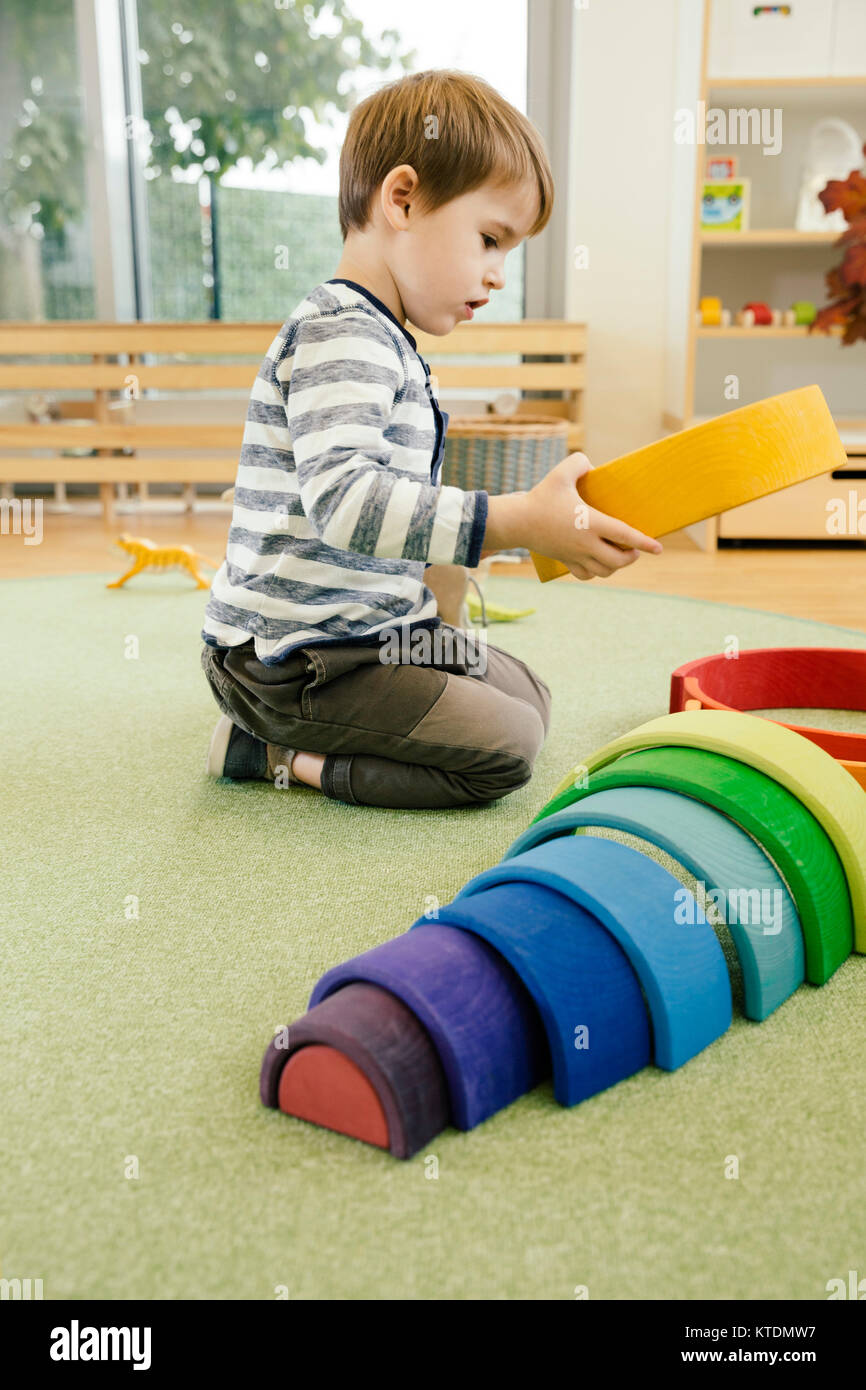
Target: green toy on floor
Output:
[{"x": 494, "y": 612}]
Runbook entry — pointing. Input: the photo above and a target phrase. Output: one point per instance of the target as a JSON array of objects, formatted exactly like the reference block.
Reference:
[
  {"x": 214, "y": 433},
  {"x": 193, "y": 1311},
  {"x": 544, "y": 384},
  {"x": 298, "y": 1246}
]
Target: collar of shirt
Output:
[{"x": 383, "y": 308}]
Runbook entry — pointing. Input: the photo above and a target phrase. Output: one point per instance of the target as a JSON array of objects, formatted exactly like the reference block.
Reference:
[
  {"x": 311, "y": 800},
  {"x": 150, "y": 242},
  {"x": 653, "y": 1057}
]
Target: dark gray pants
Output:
[{"x": 448, "y": 732}]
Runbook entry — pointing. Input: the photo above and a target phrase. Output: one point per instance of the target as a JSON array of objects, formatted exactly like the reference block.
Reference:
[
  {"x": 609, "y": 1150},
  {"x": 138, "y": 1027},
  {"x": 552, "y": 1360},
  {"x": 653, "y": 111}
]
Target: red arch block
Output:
[
  {"x": 324, "y": 1086},
  {"x": 784, "y": 678}
]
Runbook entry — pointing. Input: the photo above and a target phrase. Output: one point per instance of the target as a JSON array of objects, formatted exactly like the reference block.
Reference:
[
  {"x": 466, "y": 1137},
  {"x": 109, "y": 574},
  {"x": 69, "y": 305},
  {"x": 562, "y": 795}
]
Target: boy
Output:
[{"x": 341, "y": 532}]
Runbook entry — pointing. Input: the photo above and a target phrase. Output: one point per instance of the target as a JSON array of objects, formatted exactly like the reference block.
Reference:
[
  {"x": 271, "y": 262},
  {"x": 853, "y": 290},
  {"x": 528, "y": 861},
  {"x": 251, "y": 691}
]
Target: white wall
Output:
[{"x": 623, "y": 109}]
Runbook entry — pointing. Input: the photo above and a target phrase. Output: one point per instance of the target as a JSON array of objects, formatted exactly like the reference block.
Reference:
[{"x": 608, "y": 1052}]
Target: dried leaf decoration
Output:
[{"x": 846, "y": 283}]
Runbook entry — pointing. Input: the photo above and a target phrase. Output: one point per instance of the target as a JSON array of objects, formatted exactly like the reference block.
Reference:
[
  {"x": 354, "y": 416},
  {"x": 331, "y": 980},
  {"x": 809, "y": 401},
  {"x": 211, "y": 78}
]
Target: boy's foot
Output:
[{"x": 235, "y": 753}]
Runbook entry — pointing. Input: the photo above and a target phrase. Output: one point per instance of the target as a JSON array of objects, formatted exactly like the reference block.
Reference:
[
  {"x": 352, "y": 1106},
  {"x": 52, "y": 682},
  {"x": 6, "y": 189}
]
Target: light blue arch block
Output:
[{"x": 721, "y": 855}]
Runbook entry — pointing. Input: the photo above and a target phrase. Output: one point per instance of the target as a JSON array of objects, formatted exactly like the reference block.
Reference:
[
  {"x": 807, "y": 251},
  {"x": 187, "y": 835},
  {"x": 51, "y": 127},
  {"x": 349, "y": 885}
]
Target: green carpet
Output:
[{"x": 160, "y": 925}]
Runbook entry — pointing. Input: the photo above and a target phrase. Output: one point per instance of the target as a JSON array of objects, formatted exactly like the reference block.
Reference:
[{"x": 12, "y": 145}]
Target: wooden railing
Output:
[{"x": 115, "y": 378}]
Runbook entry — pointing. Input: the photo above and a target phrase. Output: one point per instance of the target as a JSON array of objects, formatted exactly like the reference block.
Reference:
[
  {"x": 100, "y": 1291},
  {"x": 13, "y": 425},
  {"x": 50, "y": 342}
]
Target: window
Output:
[
  {"x": 46, "y": 263},
  {"x": 221, "y": 200}
]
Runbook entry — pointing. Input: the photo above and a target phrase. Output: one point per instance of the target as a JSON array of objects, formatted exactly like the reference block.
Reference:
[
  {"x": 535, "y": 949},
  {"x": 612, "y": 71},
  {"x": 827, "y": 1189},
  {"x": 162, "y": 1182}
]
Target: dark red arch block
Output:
[{"x": 389, "y": 1054}]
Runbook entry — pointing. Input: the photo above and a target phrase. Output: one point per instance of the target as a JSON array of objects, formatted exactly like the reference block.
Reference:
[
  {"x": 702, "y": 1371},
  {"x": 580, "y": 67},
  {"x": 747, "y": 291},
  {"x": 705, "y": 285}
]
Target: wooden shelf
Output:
[
  {"x": 831, "y": 80},
  {"x": 769, "y": 237},
  {"x": 765, "y": 331}
]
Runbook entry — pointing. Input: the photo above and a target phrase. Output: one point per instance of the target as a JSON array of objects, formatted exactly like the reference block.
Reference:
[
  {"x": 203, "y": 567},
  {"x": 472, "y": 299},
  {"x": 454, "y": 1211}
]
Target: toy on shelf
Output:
[
  {"x": 710, "y": 313},
  {"x": 709, "y": 468},
  {"x": 784, "y": 678},
  {"x": 725, "y": 205},
  {"x": 755, "y": 314},
  {"x": 721, "y": 166},
  {"x": 801, "y": 313},
  {"x": 584, "y": 959},
  {"x": 758, "y": 315},
  {"x": 148, "y": 555}
]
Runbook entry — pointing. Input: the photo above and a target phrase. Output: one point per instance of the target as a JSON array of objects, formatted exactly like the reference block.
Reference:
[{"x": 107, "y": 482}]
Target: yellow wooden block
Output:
[
  {"x": 712, "y": 467},
  {"x": 811, "y": 774}
]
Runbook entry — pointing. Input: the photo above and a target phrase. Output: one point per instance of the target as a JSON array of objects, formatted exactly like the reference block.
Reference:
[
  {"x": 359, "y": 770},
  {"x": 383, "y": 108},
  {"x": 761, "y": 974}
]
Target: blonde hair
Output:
[{"x": 477, "y": 136}]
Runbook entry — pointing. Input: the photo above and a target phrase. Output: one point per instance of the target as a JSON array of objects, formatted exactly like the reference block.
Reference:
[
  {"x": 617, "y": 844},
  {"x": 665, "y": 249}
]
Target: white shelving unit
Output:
[{"x": 772, "y": 261}]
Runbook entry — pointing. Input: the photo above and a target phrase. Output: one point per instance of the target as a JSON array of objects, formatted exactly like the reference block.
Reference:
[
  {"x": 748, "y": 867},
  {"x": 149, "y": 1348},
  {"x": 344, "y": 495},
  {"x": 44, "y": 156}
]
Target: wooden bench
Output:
[{"x": 124, "y": 363}]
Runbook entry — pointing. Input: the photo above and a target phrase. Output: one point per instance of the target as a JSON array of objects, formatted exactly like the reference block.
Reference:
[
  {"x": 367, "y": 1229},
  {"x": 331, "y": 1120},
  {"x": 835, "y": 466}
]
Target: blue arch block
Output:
[
  {"x": 681, "y": 967},
  {"x": 579, "y": 977},
  {"x": 722, "y": 856}
]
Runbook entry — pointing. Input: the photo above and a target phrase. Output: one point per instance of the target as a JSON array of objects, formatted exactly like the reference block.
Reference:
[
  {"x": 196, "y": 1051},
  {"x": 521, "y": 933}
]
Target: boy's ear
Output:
[{"x": 403, "y": 185}]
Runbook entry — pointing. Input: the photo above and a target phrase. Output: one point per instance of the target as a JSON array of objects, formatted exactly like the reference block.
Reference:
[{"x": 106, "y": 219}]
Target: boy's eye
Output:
[{"x": 488, "y": 239}]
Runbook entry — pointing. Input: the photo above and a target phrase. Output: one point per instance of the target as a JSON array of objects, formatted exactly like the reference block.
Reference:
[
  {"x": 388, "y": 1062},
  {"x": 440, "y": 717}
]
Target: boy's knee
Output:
[
  {"x": 546, "y": 702},
  {"x": 511, "y": 767},
  {"x": 531, "y": 735},
  {"x": 525, "y": 737},
  {"x": 540, "y": 699}
]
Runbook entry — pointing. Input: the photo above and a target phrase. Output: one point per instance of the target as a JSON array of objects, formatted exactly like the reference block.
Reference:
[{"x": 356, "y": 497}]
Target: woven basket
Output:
[{"x": 493, "y": 454}]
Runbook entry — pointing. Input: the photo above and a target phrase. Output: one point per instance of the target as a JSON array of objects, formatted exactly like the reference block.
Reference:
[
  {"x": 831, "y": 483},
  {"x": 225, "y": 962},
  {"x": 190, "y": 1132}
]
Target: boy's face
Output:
[{"x": 455, "y": 256}]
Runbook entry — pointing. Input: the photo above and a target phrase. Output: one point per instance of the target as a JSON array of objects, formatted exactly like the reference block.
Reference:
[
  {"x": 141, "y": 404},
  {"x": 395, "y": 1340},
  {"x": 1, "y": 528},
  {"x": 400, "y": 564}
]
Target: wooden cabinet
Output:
[{"x": 712, "y": 369}]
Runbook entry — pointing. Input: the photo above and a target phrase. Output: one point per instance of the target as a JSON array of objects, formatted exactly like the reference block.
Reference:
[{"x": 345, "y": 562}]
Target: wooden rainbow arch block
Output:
[
  {"x": 722, "y": 463},
  {"x": 783, "y": 678},
  {"x": 456, "y": 1018}
]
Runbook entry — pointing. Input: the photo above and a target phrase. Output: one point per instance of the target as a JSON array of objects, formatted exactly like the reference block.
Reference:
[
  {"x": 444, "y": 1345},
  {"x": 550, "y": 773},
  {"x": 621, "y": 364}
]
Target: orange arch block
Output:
[{"x": 322, "y": 1085}]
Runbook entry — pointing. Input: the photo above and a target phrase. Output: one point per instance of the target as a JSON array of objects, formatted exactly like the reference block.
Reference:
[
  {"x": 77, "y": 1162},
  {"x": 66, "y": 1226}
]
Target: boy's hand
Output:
[{"x": 559, "y": 524}]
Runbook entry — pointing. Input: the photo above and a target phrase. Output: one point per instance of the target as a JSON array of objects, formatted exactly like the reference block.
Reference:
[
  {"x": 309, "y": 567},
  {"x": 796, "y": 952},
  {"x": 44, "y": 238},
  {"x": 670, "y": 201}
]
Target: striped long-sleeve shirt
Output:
[{"x": 338, "y": 507}]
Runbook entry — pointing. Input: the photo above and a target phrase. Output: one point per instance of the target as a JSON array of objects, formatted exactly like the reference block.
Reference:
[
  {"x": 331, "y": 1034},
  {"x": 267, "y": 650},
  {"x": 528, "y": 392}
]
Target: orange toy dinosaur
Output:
[{"x": 148, "y": 555}]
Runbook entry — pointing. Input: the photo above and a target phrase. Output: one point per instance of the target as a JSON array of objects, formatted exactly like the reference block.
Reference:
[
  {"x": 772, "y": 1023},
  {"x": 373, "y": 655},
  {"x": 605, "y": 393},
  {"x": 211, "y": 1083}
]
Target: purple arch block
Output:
[{"x": 477, "y": 1012}]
